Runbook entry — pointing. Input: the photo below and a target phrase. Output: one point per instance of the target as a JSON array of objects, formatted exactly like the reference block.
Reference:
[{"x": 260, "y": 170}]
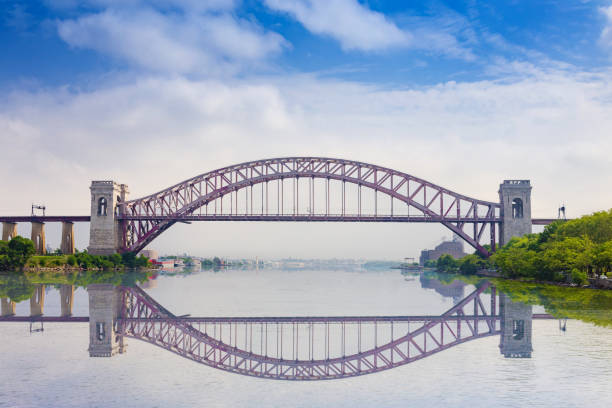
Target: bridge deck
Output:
[
  {"x": 283, "y": 319},
  {"x": 286, "y": 217},
  {"x": 46, "y": 218}
]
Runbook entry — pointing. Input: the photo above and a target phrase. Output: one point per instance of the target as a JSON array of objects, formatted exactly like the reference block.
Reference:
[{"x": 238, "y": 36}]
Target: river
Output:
[{"x": 571, "y": 368}]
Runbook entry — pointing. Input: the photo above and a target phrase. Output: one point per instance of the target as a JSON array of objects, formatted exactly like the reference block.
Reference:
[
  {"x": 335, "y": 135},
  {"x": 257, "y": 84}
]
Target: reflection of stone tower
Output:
[
  {"x": 515, "y": 341},
  {"x": 104, "y": 308},
  {"x": 515, "y": 200},
  {"x": 104, "y": 229}
]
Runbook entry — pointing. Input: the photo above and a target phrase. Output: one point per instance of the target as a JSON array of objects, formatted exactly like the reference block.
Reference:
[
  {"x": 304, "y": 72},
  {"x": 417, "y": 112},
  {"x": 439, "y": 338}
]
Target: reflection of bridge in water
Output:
[{"x": 291, "y": 348}]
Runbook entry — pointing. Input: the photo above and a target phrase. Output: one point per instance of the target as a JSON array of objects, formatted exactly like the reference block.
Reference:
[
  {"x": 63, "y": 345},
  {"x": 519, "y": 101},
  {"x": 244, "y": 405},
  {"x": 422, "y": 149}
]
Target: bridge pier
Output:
[
  {"x": 104, "y": 310},
  {"x": 38, "y": 236},
  {"x": 515, "y": 200},
  {"x": 516, "y": 319},
  {"x": 67, "y": 245},
  {"x": 8, "y": 307},
  {"x": 9, "y": 230},
  {"x": 37, "y": 301},
  {"x": 105, "y": 231},
  {"x": 66, "y": 298}
]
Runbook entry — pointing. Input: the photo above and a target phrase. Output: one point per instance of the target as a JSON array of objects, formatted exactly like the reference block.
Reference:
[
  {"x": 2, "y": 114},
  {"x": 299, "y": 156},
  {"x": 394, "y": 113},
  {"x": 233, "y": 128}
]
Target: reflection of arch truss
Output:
[
  {"x": 307, "y": 348},
  {"x": 307, "y": 189}
]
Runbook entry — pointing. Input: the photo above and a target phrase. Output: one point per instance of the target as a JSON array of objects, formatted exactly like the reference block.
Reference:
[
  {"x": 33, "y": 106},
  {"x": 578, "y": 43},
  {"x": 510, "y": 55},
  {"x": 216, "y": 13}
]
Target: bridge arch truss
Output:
[{"x": 308, "y": 189}]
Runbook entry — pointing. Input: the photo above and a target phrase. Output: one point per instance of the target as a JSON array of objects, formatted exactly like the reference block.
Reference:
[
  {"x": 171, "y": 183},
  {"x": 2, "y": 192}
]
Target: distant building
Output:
[
  {"x": 453, "y": 248},
  {"x": 149, "y": 253}
]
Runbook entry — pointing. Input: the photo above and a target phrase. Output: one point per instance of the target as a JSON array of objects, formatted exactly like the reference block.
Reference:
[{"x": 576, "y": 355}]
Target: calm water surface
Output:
[{"x": 571, "y": 368}]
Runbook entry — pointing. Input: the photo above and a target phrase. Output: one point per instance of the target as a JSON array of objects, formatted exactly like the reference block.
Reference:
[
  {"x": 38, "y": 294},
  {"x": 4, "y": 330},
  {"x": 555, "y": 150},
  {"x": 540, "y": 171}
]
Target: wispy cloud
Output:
[
  {"x": 606, "y": 33},
  {"x": 356, "y": 27},
  {"x": 185, "y": 42}
]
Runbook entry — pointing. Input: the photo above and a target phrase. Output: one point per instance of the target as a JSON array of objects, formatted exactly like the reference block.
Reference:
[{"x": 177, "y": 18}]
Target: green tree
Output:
[
  {"x": 579, "y": 277},
  {"x": 471, "y": 264},
  {"x": 16, "y": 253},
  {"x": 71, "y": 260},
  {"x": 447, "y": 263},
  {"x": 602, "y": 257}
]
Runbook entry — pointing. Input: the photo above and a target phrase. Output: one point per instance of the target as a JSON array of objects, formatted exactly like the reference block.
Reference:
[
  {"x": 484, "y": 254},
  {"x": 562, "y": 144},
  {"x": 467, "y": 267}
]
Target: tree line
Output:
[
  {"x": 20, "y": 252},
  {"x": 566, "y": 251}
]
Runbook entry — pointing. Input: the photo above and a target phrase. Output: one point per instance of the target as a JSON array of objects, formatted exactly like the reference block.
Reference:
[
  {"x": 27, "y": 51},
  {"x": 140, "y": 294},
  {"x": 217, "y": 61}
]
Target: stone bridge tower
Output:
[
  {"x": 515, "y": 199},
  {"x": 516, "y": 319},
  {"x": 105, "y": 235}
]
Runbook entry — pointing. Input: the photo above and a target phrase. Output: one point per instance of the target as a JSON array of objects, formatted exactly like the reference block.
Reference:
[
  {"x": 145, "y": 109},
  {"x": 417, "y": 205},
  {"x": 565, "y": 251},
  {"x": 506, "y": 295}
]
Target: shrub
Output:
[
  {"x": 579, "y": 277},
  {"x": 470, "y": 264},
  {"x": 15, "y": 253},
  {"x": 447, "y": 263}
]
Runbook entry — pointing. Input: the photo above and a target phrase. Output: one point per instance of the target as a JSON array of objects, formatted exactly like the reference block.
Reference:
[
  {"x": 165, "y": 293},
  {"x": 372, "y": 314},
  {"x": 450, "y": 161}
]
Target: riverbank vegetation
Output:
[
  {"x": 566, "y": 251},
  {"x": 17, "y": 255}
]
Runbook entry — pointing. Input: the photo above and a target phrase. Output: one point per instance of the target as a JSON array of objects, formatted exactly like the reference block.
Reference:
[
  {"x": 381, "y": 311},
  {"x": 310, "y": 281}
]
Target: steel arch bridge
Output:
[
  {"x": 307, "y": 348},
  {"x": 307, "y": 189}
]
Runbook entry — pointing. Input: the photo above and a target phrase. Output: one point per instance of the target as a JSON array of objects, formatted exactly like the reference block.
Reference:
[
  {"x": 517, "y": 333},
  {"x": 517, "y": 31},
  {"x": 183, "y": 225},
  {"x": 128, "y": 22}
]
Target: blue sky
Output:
[
  {"x": 400, "y": 43},
  {"x": 461, "y": 93}
]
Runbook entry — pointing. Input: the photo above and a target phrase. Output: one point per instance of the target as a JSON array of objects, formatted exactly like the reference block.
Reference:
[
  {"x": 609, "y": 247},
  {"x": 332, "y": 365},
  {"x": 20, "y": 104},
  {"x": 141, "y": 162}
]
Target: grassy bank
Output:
[{"x": 18, "y": 255}]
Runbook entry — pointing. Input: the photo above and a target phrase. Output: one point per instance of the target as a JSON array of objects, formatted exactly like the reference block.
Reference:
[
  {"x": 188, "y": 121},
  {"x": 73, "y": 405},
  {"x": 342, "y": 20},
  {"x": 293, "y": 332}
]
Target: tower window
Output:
[
  {"x": 518, "y": 329},
  {"x": 102, "y": 206},
  {"x": 100, "y": 332},
  {"x": 517, "y": 208}
]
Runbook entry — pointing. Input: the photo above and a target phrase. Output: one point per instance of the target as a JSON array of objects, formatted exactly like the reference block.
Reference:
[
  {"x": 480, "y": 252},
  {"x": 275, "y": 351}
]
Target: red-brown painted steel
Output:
[{"x": 147, "y": 217}]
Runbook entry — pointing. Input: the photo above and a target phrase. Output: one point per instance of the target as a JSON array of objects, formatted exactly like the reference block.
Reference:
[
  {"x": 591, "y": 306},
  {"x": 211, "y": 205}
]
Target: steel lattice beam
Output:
[{"x": 147, "y": 217}]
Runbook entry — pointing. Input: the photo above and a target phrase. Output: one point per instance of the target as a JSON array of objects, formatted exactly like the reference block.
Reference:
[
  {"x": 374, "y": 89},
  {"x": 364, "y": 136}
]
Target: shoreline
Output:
[
  {"x": 594, "y": 283},
  {"x": 68, "y": 269}
]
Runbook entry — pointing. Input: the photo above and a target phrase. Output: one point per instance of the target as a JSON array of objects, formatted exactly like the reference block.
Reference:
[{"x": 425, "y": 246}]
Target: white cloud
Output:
[
  {"x": 550, "y": 127},
  {"x": 606, "y": 33},
  {"x": 183, "y": 43},
  {"x": 356, "y": 27},
  {"x": 353, "y": 25}
]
